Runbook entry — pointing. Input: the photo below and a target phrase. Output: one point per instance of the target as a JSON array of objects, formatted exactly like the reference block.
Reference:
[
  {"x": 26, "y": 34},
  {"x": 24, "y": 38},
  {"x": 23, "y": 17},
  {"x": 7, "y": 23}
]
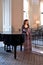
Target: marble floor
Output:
[{"x": 23, "y": 58}]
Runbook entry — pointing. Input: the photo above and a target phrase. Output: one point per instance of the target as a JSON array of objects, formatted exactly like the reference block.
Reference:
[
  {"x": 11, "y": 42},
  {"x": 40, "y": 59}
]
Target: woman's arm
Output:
[{"x": 23, "y": 30}]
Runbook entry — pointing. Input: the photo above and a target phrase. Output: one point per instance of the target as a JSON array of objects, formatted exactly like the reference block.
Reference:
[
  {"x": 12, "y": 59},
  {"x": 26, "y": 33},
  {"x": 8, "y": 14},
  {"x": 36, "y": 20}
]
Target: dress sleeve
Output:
[{"x": 23, "y": 30}]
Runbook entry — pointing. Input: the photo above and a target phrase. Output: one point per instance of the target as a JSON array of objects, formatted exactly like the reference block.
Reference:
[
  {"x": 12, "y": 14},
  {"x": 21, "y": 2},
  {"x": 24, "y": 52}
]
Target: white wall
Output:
[
  {"x": 34, "y": 12},
  {"x": 17, "y": 14}
]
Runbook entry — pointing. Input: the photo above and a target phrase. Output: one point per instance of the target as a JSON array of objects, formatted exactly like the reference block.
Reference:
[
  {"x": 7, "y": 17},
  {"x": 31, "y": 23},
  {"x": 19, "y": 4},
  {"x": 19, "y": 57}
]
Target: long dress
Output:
[{"x": 27, "y": 44}]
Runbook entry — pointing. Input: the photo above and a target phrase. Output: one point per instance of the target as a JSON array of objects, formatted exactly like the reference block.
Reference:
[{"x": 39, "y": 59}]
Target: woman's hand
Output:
[{"x": 27, "y": 33}]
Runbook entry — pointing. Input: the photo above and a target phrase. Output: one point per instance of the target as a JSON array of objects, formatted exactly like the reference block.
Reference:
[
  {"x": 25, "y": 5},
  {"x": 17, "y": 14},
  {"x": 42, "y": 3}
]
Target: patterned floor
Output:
[{"x": 23, "y": 58}]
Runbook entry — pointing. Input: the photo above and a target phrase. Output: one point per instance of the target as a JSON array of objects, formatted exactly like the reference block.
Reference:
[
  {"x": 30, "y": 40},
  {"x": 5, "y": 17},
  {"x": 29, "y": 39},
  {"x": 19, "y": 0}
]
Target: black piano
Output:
[{"x": 12, "y": 39}]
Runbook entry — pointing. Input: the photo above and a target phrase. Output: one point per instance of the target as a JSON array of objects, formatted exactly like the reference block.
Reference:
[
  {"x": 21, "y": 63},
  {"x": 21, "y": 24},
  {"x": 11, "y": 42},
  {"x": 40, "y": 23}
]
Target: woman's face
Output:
[{"x": 26, "y": 22}]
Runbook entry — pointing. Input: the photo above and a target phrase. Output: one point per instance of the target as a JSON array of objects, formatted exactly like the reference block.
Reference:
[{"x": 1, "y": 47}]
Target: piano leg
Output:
[
  {"x": 15, "y": 52},
  {"x": 8, "y": 48},
  {"x": 20, "y": 47},
  {"x": 4, "y": 47},
  {"x": 12, "y": 47}
]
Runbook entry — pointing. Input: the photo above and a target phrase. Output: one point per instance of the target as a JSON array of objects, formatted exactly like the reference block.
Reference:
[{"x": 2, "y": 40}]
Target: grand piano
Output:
[{"x": 13, "y": 39}]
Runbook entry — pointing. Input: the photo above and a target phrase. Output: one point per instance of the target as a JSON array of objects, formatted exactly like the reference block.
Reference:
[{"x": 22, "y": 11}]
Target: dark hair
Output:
[{"x": 25, "y": 22}]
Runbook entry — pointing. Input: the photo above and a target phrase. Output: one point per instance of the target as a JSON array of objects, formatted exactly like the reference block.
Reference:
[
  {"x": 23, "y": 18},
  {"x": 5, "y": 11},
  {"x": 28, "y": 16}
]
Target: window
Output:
[
  {"x": 25, "y": 9},
  {"x": 41, "y": 12},
  {"x": 6, "y": 16}
]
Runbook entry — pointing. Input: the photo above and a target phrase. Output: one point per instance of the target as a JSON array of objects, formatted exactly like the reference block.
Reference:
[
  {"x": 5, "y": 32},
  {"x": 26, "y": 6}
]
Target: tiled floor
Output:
[{"x": 23, "y": 58}]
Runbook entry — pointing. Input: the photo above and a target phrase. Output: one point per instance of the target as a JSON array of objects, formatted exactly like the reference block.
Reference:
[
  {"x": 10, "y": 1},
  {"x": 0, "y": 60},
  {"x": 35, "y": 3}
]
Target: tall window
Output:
[
  {"x": 41, "y": 12},
  {"x": 25, "y": 9},
  {"x": 6, "y": 16}
]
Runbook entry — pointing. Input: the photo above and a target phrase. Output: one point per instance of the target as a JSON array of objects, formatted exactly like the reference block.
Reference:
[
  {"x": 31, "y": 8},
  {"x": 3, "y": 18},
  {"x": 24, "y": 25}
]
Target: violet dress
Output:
[{"x": 27, "y": 44}]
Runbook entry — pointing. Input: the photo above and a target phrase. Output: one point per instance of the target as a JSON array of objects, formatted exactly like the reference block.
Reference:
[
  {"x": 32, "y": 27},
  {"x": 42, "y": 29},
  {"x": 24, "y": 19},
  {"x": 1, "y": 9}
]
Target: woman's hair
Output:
[{"x": 25, "y": 22}]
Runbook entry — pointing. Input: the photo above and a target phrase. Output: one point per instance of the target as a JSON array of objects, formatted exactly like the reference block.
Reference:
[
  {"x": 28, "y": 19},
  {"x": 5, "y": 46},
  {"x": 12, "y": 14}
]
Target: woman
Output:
[{"x": 26, "y": 31}]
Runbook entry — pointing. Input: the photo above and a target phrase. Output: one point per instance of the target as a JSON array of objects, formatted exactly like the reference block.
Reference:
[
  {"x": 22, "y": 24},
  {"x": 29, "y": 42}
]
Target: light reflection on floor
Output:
[
  {"x": 37, "y": 50},
  {"x": 1, "y": 44}
]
